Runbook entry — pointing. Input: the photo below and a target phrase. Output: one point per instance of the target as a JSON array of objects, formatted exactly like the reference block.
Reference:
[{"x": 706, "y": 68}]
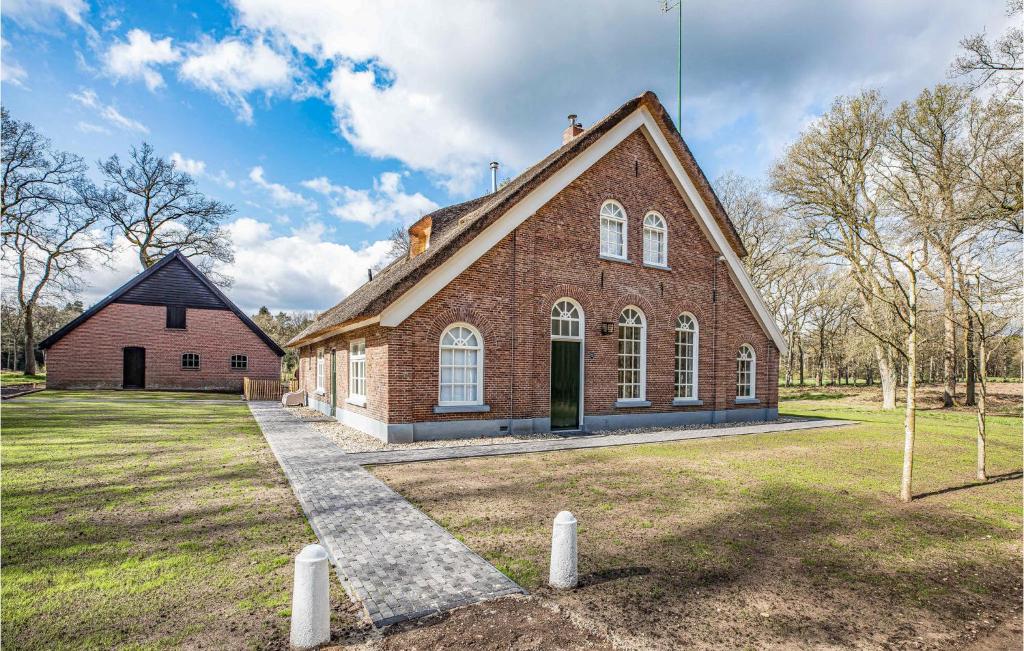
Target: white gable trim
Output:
[{"x": 436, "y": 280}]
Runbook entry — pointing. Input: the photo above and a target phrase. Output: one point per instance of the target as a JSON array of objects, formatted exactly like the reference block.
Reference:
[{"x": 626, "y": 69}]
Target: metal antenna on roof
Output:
[{"x": 665, "y": 8}]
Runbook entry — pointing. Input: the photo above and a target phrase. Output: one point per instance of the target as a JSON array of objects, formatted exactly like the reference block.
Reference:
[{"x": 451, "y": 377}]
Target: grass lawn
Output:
[
  {"x": 777, "y": 540},
  {"x": 11, "y": 378},
  {"x": 139, "y": 520}
]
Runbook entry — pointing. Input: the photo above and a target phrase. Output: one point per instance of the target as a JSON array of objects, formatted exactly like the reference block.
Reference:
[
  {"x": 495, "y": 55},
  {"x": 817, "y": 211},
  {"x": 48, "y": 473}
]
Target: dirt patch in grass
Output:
[
  {"x": 1003, "y": 397},
  {"x": 140, "y": 524},
  {"x": 777, "y": 540},
  {"x": 521, "y": 623}
]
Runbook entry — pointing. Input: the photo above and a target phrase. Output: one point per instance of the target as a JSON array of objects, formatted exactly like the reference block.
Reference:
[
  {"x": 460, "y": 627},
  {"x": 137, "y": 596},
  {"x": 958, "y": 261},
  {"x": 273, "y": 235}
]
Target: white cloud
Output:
[
  {"x": 299, "y": 271},
  {"x": 89, "y": 99},
  {"x": 386, "y": 201},
  {"x": 280, "y": 194},
  {"x": 232, "y": 69},
  {"x": 10, "y": 71},
  {"x": 447, "y": 91},
  {"x": 138, "y": 57},
  {"x": 190, "y": 166},
  {"x": 89, "y": 127},
  {"x": 41, "y": 13}
]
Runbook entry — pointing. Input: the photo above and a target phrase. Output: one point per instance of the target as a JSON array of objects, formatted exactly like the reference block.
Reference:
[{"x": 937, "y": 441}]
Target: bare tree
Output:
[
  {"x": 158, "y": 209},
  {"x": 828, "y": 179},
  {"x": 998, "y": 64},
  {"x": 400, "y": 243},
  {"x": 48, "y": 234}
]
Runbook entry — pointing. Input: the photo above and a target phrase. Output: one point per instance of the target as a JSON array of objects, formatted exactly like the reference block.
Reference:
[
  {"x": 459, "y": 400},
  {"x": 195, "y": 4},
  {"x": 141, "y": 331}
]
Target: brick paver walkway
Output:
[
  {"x": 394, "y": 560},
  {"x": 584, "y": 441}
]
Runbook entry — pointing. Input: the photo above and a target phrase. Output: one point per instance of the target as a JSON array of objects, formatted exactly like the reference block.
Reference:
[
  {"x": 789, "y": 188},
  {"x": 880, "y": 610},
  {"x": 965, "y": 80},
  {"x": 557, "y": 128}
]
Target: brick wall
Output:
[
  {"x": 376, "y": 406},
  {"x": 508, "y": 293},
  {"x": 91, "y": 355}
]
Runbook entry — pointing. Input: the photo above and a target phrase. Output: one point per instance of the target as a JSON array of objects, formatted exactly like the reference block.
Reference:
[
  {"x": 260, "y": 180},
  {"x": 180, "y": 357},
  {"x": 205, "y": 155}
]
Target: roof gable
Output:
[
  {"x": 185, "y": 285},
  {"x": 173, "y": 283},
  {"x": 405, "y": 285}
]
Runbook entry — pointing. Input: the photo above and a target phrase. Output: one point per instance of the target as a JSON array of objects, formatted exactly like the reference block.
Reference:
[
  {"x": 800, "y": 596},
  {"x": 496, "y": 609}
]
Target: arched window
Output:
[
  {"x": 461, "y": 366},
  {"x": 686, "y": 356},
  {"x": 655, "y": 240},
  {"x": 613, "y": 230},
  {"x": 566, "y": 319},
  {"x": 632, "y": 354},
  {"x": 746, "y": 369}
]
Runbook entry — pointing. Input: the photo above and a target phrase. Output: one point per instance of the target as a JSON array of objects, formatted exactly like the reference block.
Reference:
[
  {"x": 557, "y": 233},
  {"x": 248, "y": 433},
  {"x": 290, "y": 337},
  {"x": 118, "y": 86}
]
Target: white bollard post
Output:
[
  {"x": 563, "y": 552},
  {"x": 311, "y": 603}
]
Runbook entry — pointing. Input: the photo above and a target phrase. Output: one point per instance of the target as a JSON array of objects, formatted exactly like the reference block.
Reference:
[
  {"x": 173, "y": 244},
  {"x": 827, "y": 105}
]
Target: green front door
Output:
[
  {"x": 565, "y": 384},
  {"x": 334, "y": 382}
]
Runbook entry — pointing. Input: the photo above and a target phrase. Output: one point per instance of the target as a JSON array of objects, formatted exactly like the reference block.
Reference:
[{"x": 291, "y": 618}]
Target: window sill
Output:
[
  {"x": 611, "y": 258},
  {"x": 190, "y": 369},
  {"x": 651, "y": 265},
  {"x": 687, "y": 402},
  {"x": 320, "y": 392},
  {"x": 461, "y": 409},
  {"x": 627, "y": 404},
  {"x": 747, "y": 401},
  {"x": 358, "y": 402}
]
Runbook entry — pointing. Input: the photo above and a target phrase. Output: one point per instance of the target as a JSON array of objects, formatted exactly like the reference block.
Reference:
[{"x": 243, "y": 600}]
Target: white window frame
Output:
[
  {"x": 660, "y": 228},
  {"x": 570, "y": 321},
  {"x": 320, "y": 371},
  {"x": 357, "y": 362},
  {"x": 622, "y": 220},
  {"x": 695, "y": 345},
  {"x": 752, "y": 360},
  {"x": 642, "y": 391},
  {"x": 479, "y": 348}
]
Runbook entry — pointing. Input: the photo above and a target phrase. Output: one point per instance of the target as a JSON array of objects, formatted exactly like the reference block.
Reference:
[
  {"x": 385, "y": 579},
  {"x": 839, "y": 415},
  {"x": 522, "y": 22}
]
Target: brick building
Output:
[
  {"x": 167, "y": 328},
  {"x": 601, "y": 288}
]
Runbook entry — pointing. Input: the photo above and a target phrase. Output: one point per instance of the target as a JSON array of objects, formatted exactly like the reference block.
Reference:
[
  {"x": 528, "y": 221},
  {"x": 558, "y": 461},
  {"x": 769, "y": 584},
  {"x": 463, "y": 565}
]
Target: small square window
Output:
[
  {"x": 190, "y": 361},
  {"x": 239, "y": 362},
  {"x": 176, "y": 317}
]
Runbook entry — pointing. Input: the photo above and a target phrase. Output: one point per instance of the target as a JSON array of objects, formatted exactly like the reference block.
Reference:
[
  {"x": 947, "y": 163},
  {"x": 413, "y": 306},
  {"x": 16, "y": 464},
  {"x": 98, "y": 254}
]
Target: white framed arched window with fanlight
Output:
[
  {"x": 687, "y": 351},
  {"x": 614, "y": 233},
  {"x": 461, "y": 366},
  {"x": 655, "y": 240},
  {"x": 632, "y": 378},
  {"x": 746, "y": 373},
  {"x": 566, "y": 319}
]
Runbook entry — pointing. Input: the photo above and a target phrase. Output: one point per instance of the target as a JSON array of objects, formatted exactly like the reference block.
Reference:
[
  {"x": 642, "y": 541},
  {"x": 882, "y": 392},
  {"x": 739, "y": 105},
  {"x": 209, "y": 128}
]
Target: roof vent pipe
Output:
[{"x": 494, "y": 176}]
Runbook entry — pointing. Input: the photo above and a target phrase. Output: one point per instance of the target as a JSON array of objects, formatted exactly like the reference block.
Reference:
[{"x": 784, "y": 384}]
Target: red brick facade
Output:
[
  {"x": 508, "y": 293},
  {"x": 91, "y": 356}
]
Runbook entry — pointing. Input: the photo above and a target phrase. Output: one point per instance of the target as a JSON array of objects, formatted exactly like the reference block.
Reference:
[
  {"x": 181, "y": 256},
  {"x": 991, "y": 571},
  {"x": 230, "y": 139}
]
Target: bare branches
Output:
[
  {"x": 49, "y": 233},
  {"x": 158, "y": 209},
  {"x": 998, "y": 64}
]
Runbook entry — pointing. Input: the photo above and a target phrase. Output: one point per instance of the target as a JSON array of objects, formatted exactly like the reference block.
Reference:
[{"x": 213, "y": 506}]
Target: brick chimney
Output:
[{"x": 574, "y": 129}]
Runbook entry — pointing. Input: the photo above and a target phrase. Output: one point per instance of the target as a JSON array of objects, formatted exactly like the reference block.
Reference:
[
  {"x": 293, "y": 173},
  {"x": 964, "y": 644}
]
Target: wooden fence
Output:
[{"x": 264, "y": 389}]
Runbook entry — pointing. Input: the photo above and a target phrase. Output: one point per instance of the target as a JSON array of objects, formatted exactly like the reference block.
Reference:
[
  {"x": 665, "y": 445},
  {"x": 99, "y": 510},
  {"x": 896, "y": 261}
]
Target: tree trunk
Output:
[
  {"x": 982, "y": 473},
  {"x": 30, "y": 341},
  {"x": 948, "y": 336},
  {"x": 789, "y": 360},
  {"x": 886, "y": 377},
  {"x": 801, "y": 362},
  {"x": 970, "y": 363},
  {"x": 910, "y": 422}
]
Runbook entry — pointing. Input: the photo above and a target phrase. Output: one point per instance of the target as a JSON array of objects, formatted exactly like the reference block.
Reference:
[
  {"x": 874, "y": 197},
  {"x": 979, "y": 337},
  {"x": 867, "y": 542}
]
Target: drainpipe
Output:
[
  {"x": 714, "y": 337},
  {"x": 512, "y": 357}
]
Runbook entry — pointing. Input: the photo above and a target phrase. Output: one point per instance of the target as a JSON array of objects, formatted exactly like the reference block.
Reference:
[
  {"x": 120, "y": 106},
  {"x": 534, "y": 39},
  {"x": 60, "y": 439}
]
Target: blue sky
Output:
[{"x": 327, "y": 124}]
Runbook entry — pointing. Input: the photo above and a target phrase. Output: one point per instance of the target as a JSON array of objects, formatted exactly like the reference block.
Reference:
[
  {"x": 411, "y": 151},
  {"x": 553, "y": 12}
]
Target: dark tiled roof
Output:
[
  {"x": 454, "y": 226},
  {"x": 160, "y": 273}
]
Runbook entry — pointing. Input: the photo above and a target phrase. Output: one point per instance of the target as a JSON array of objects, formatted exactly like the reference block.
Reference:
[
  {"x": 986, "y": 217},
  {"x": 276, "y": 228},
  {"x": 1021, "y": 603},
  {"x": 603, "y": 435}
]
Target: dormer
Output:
[{"x": 419, "y": 236}]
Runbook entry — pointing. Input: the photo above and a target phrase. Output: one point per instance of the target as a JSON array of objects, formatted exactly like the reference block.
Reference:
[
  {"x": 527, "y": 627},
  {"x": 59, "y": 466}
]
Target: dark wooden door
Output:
[
  {"x": 134, "y": 368},
  {"x": 565, "y": 384}
]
